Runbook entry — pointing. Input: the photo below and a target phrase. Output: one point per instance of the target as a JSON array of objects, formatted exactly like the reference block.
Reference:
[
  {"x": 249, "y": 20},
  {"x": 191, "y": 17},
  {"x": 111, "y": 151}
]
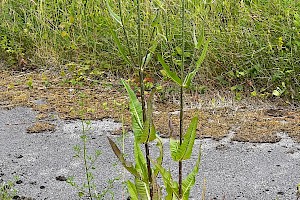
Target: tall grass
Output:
[
  {"x": 56, "y": 32},
  {"x": 254, "y": 44}
]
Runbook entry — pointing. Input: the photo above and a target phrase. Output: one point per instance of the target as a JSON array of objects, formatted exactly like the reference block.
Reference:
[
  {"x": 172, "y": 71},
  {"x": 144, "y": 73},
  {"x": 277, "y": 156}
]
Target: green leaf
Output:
[
  {"x": 201, "y": 39},
  {"x": 240, "y": 73},
  {"x": 189, "y": 181},
  {"x": 168, "y": 72},
  {"x": 171, "y": 186},
  {"x": 153, "y": 46},
  {"x": 140, "y": 162},
  {"x": 178, "y": 50},
  {"x": 136, "y": 112},
  {"x": 132, "y": 190},
  {"x": 152, "y": 130},
  {"x": 159, "y": 159},
  {"x": 128, "y": 165},
  {"x": 237, "y": 88},
  {"x": 149, "y": 131},
  {"x": 80, "y": 194},
  {"x": 194, "y": 36},
  {"x": 202, "y": 56},
  {"x": 120, "y": 47},
  {"x": 189, "y": 78},
  {"x": 170, "y": 195},
  {"x": 276, "y": 93},
  {"x": 152, "y": 135},
  {"x": 142, "y": 189},
  {"x": 146, "y": 132},
  {"x": 113, "y": 14},
  {"x": 254, "y": 93},
  {"x": 185, "y": 149},
  {"x": 174, "y": 146},
  {"x": 159, "y": 4}
]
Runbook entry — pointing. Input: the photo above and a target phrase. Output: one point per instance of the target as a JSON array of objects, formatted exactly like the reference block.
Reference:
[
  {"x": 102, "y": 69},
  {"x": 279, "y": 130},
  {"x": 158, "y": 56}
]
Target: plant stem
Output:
[
  {"x": 123, "y": 148},
  {"x": 180, "y": 141},
  {"x": 181, "y": 98},
  {"x": 141, "y": 76},
  {"x": 85, "y": 160}
]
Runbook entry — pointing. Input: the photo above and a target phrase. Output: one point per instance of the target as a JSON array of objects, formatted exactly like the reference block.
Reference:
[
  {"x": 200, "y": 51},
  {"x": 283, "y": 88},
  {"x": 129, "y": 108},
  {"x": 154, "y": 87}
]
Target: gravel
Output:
[{"x": 229, "y": 170}]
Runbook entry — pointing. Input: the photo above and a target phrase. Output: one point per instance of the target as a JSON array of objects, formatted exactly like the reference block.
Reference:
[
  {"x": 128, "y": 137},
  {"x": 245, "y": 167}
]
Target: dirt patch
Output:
[
  {"x": 40, "y": 127},
  {"x": 49, "y": 95},
  {"x": 263, "y": 125}
]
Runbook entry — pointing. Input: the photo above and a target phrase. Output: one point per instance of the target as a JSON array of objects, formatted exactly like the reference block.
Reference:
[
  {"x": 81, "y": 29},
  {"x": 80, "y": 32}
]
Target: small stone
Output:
[
  {"x": 32, "y": 182},
  {"x": 28, "y": 198},
  {"x": 291, "y": 151},
  {"x": 222, "y": 147},
  {"x": 19, "y": 181},
  {"x": 61, "y": 178},
  {"x": 42, "y": 187},
  {"x": 280, "y": 193},
  {"x": 22, "y": 198}
]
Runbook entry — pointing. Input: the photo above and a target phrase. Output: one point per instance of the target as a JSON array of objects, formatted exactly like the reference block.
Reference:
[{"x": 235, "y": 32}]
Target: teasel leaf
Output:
[
  {"x": 128, "y": 165},
  {"x": 190, "y": 180},
  {"x": 167, "y": 72},
  {"x": 136, "y": 112}
]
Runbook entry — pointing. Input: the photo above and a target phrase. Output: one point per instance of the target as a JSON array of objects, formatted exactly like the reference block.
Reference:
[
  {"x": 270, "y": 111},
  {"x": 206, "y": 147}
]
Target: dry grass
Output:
[
  {"x": 250, "y": 123},
  {"x": 40, "y": 127}
]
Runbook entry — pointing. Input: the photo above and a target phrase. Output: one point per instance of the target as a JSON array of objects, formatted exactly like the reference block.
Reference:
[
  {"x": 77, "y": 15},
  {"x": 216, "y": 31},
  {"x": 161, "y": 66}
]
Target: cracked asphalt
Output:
[{"x": 229, "y": 169}]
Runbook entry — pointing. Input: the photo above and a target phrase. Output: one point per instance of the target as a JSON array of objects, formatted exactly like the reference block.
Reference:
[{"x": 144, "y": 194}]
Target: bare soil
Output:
[{"x": 252, "y": 119}]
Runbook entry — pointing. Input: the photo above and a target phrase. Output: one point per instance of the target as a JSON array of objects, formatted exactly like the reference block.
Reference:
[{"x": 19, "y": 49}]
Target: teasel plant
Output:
[{"x": 145, "y": 185}]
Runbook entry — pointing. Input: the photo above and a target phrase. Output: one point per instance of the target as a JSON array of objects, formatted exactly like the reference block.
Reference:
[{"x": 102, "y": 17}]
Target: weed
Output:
[
  {"x": 7, "y": 191},
  {"x": 29, "y": 83},
  {"x": 88, "y": 188}
]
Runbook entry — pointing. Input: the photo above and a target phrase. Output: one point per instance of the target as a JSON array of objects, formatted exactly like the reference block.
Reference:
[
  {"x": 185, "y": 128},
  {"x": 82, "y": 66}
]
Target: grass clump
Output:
[
  {"x": 255, "y": 47},
  {"x": 53, "y": 33},
  {"x": 7, "y": 190}
]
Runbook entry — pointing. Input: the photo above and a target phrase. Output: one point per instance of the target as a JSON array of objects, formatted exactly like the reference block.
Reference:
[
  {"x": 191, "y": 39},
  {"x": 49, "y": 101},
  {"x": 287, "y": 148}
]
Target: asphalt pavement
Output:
[{"x": 229, "y": 170}]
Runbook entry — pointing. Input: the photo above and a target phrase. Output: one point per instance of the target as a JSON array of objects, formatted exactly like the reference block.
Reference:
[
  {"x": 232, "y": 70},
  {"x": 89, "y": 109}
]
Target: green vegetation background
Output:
[{"x": 254, "y": 44}]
